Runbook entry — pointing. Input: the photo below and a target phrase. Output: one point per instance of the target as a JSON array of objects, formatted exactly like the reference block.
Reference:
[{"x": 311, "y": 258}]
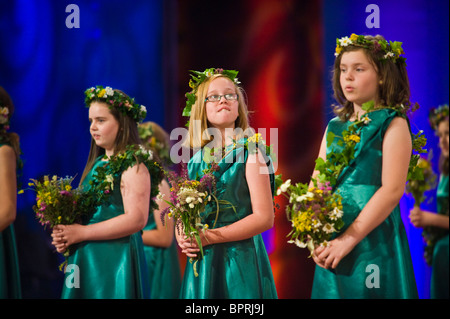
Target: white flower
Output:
[
  {"x": 366, "y": 120},
  {"x": 285, "y": 185},
  {"x": 143, "y": 109},
  {"x": 336, "y": 213},
  {"x": 109, "y": 91},
  {"x": 325, "y": 243},
  {"x": 298, "y": 243},
  {"x": 160, "y": 196},
  {"x": 189, "y": 199},
  {"x": 343, "y": 42},
  {"x": 305, "y": 197},
  {"x": 316, "y": 225},
  {"x": 110, "y": 179},
  {"x": 150, "y": 154},
  {"x": 328, "y": 228},
  {"x": 191, "y": 205},
  {"x": 389, "y": 55}
]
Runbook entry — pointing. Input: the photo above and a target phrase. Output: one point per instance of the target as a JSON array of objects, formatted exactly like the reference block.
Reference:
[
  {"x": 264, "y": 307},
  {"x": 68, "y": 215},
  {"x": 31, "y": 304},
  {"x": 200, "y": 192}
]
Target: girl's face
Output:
[
  {"x": 358, "y": 78},
  {"x": 443, "y": 137},
  {"x": 222, "y": 113},
  {"x": 104, "y": 126}
]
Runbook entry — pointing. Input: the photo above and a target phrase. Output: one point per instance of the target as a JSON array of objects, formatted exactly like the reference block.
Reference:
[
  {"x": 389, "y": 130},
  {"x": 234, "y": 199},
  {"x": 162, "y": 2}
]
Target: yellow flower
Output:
[
  {"x": 101, "y": 93},
  {"x": 46, "y": 183},
  {"x": 423, "y": 163},
  {"x": 152, "y": 141},
  {"x": 354, "y": 37},
  {"x": 191, "y": 84},
  {"x": 68, "y": 187},
  {"x": 338, "y": 49},
  {"x": 302, "y": 222},
  {"x": 352, "y": 138},
  {"x": 255, "y": 138}
]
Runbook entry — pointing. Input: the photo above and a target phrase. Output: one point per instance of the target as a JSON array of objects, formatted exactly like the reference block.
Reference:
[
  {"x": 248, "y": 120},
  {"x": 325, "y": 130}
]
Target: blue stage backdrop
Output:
[
  {"x": 138, "y": 46},
  {"x": 46, "y": 66}
]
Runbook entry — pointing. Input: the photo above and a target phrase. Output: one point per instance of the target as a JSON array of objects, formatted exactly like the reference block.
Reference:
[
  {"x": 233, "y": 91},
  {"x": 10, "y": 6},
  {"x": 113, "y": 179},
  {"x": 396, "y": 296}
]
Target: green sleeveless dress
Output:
[
  {"x": 107, "y": 269},
  {"x": 9, "y": 264},
  {"x": 380, "y": 265},
  {"x": 439, "y": 275},
  {"x": 233, "y": 270},
  {"x": 163, "y": 268}
]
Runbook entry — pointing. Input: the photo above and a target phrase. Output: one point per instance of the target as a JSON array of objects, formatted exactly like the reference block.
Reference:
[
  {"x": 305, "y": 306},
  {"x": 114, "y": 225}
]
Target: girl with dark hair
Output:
[
  {"x": 107, "y": 260},
  {"x": 369, "y": 257}
]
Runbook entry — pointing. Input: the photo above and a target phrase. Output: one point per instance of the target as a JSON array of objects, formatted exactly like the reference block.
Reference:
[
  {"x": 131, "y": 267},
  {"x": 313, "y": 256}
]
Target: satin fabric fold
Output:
[
  {"x": 380, "y": 265},
  {"x": 163, "y": 267},
  {"x": 233, "y": 270},
  {"x": 9, "y": 265},
  {"x": 108, "y": 269}
]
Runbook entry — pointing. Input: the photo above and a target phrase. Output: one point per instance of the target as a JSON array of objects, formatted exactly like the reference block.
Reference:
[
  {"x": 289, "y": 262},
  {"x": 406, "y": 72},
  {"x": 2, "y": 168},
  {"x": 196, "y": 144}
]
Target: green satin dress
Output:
[
  {"x": 107, "y": 269},
  {"x": 380, "y": 265},
  {"x": 233, "y": 270},
  {"x": 163, "y": 268},
  {"x": 9, "y": 264},
  {"x": 440, "y": 269}
]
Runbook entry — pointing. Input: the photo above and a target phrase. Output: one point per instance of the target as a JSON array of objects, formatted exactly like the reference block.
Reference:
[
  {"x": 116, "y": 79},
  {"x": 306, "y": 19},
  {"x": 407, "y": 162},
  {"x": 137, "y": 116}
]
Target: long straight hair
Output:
[
  {"x": 198, "y": 112},
  {"x": 127, "y": 135}
]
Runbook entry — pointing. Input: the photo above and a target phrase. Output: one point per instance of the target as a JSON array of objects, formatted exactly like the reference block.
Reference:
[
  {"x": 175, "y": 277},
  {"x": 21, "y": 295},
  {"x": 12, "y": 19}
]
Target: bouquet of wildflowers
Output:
[
  {"x": 316, "y": 213},
  {"x": 421, "y": 179},
  {"x": 188, "y": 200},
  {"x": 57, "y": 202}
]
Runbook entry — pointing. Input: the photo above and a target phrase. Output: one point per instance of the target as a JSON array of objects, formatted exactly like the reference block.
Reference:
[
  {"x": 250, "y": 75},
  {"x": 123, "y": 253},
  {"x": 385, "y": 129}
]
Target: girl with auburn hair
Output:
[{"x": 369, "y": 257}]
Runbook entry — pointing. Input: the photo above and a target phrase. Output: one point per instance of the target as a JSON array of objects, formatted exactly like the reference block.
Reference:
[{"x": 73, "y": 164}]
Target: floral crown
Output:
[
  {"x": 391, "y": 50},
  {"x": 198, "y": 78},
  {"x": 117, "y": 99},
  {"x": 4, "y": 118},
  {"x": 437, "y": 115}
]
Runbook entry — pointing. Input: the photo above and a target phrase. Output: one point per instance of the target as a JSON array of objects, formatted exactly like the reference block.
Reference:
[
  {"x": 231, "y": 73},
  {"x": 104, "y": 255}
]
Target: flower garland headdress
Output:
[
  {"x": 391, "y": 50},
  {"x": 437, "y": 115},
  {"x": 198, "y": 77},
  {"x": 115, "y": 98},
  {"x": 4, "y": 118}
]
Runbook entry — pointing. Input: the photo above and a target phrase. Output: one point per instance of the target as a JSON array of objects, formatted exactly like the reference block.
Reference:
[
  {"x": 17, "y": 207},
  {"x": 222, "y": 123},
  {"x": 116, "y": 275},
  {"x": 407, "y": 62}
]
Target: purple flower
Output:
[
  {"x": 163, "y": 215},
  {"x": 207, "y": 182}
]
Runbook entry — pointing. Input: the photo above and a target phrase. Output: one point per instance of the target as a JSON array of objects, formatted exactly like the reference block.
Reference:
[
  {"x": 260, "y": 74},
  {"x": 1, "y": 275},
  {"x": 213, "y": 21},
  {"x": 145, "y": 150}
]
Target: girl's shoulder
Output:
[{"x": 7, "y": 151}]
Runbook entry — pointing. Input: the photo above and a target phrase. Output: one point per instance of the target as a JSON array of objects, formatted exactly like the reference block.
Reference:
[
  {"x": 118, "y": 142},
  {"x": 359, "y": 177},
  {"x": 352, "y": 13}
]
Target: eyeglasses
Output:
[{"x": 228, "y": 97}]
